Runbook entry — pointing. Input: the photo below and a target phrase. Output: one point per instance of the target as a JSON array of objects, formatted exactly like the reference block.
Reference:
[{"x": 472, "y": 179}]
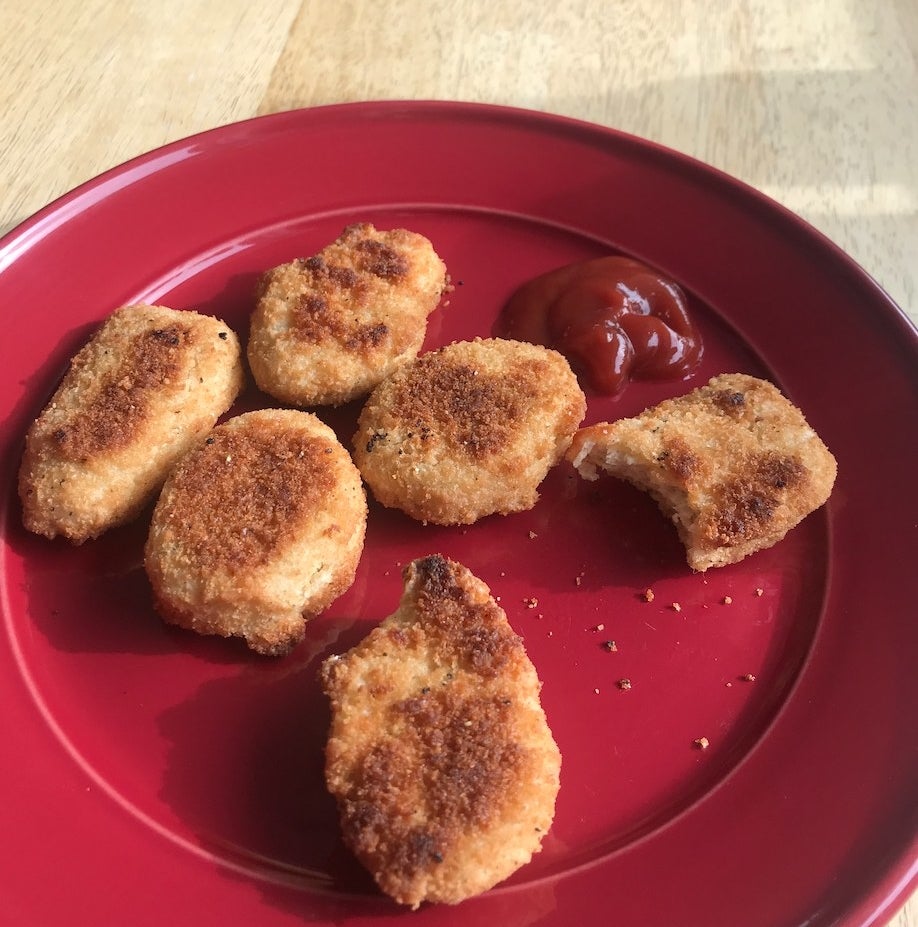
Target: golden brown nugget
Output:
[
  {"x": 468, "y": 430},
  {"x": 439, "y": 754},
  {"x": 733, "y": 464},
  {"x": 328, "y": 328},
  {"x": 257, "y": 530},
  {"x": 150, "y": 384}
]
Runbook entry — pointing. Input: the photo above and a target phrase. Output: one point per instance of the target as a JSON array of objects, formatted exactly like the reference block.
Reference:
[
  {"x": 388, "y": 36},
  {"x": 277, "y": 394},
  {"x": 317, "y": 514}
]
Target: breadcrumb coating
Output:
[
  {"x": 257, "y": 530},
  {"x": 734, "y": 465},
  {"x": 439, "y": 754},
  {"x": 328, "y": 328},
  {"x": 468, "y": 430},
  {"x": 149, "y": 385}
]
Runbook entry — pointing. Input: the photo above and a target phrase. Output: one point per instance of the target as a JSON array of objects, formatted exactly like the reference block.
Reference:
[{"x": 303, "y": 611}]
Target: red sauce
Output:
[{"x": 614, "y": 317}]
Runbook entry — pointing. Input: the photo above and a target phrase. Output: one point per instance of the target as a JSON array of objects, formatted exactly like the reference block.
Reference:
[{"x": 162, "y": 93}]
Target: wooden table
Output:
[{"x": 816, "y": 104}]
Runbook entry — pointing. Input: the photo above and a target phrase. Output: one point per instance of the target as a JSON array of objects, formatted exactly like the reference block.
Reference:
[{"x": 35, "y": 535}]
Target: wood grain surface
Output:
[{"x": 814, "y": 103}]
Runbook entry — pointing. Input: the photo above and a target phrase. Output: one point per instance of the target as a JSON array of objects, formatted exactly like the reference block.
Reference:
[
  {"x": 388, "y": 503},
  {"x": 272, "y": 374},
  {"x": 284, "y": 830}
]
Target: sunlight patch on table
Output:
[{"x": 880, "y": 199}]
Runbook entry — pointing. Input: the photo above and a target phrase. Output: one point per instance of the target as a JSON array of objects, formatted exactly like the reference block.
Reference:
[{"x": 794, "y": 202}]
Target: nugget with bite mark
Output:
[
  {"x": 468, "y": 430},
  {"x": 257, "y": 530},
  {"x": 149, "y": 384},
  {"x": 328, "y": 328},
  {"x": 734, "y": 464},
  {"x": 439, "y": 754}
]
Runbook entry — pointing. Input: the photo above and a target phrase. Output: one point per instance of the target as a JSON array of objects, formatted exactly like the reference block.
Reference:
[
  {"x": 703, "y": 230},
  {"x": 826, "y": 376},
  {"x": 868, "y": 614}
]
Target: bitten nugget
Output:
[
  {"x": 734, "y": 464},
  {"x": 328, "y": 328},
  {"x": 257, "y": 530},
  {"x": 439, "y": 754},
  {"x": 468, "y": 430},
  {"x": 149, "y": 384}
]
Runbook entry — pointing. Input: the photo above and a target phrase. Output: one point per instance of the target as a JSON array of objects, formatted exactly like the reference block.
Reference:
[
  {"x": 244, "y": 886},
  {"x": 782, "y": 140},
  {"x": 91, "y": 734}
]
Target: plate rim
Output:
[{"x": 391, "y": 107}]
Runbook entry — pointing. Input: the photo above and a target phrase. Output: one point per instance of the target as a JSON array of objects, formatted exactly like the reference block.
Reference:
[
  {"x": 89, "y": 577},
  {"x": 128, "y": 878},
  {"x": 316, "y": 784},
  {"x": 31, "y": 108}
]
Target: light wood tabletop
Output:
[{"x": 815, "y": 104}]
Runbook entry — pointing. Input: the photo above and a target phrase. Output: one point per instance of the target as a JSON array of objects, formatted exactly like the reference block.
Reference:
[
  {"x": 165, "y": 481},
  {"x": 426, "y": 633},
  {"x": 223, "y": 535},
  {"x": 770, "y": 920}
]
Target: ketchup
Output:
[{"x": 615, "y": 317}]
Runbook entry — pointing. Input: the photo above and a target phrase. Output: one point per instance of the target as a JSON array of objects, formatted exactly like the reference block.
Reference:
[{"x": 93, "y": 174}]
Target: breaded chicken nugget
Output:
[
  {"x": 149, "y": 384},
  {"x": 439, "y": 754},
  {"x": 468, "y": 430},
  {"x": 257, "y": 530},
  {"x": 734, "y": 464},
  {"x": 328, "y": 328}
]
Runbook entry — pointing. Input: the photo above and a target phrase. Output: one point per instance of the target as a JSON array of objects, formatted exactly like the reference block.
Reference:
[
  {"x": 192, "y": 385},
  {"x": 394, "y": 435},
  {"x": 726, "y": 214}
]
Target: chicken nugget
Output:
[
  {"x": 257, "y": 530},
  {"x": 468, "y": 430},
  {"x": 328, "y": 328},
  {"x": 150, "y": 383},
  {"x": 734, "y": 465},
  {"x": 439, "y": 754}
]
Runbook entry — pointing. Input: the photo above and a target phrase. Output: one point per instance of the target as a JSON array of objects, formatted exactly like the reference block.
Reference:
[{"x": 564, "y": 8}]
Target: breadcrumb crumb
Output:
[
  {"x": 702, "y": 743},
  {"x": 647, "y": 595},
  {"x": 624, "y": 684}
]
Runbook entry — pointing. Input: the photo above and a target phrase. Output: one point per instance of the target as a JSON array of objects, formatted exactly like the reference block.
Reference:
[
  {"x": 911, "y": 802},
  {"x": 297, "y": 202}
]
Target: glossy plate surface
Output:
[{"x": 151, "y": 776}]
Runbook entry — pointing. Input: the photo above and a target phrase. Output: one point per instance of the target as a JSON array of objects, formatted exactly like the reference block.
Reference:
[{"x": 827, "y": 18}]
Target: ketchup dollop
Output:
[{"x": 614, "y": 317}]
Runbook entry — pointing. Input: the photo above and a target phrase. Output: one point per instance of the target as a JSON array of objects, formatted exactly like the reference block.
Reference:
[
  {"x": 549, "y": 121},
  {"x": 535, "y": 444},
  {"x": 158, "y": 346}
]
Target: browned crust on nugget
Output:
[
  {"x": 468, "y": 430},
  {"x": 242, "y": 495},
  {"x": 147, "y": 386},
  {"x": 473, "y": 411},
  {"x": 439, "y": 754},
  {"x": 733, "y": 463},
  {"x": 115, "y": 415},
  {"x": 257, "y": 530},
  {"x": 328, "y": 328}
]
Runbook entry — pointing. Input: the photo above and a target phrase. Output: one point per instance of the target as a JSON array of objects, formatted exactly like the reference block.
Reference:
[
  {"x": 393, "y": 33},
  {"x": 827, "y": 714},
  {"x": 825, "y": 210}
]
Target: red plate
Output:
[{"x": 152, "y": 776}]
